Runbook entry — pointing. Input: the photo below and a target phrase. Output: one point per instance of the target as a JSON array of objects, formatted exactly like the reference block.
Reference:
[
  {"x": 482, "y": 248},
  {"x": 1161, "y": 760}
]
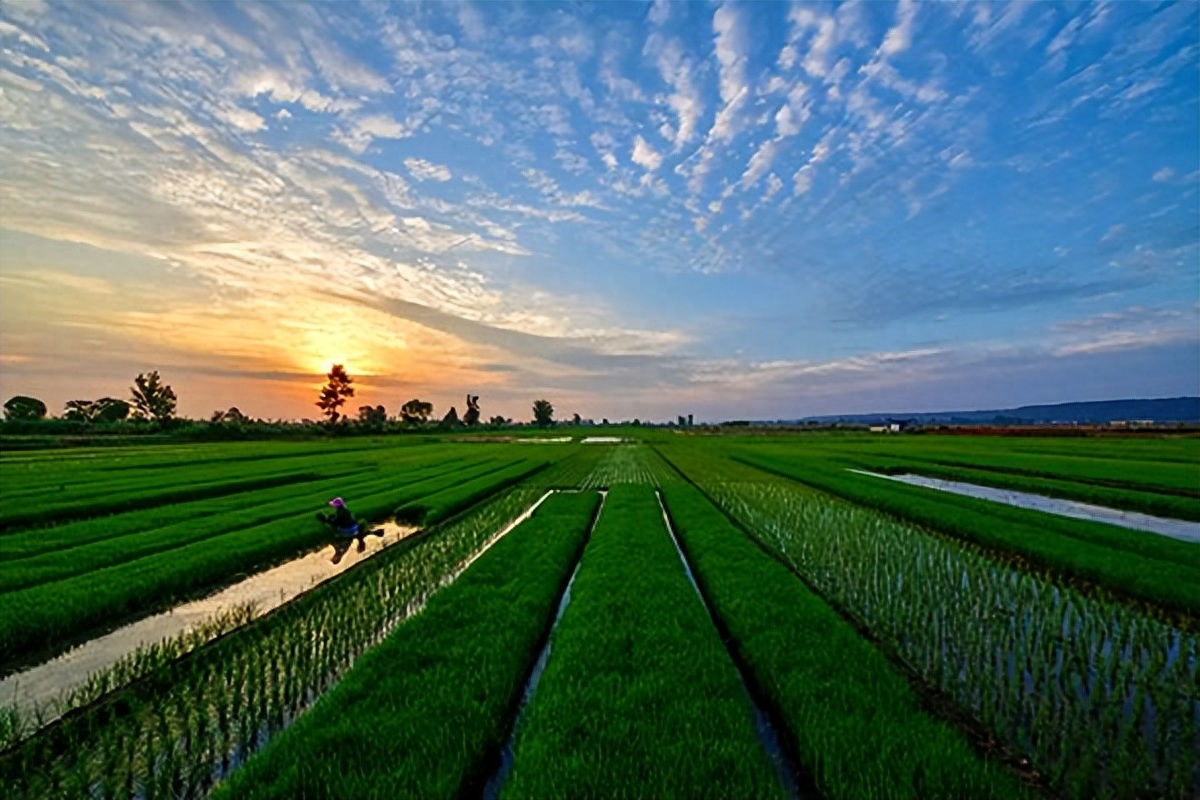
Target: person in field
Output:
[{"x": 348, "y": 528}]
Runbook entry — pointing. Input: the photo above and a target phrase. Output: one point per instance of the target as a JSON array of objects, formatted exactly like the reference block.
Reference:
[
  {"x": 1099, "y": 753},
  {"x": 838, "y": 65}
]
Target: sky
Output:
[{"x": 733, "y": 210}]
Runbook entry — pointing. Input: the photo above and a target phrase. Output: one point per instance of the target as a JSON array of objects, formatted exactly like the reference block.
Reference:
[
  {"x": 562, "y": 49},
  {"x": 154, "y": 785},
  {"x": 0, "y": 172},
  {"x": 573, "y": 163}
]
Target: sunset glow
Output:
[{"x": 736, "y": 210}]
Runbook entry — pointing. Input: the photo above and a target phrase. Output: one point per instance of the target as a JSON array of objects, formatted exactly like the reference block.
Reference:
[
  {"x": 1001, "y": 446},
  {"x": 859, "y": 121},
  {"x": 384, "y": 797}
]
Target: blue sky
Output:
[{"x": 631, "y": 209}]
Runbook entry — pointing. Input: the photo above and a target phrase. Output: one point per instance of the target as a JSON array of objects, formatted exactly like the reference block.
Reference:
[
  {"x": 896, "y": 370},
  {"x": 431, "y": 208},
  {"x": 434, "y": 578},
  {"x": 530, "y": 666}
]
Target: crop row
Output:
[
  {"x": 129, "y": 492},
  {"x": 1154, "y": 569},
  {"x": 176, "y": 731},
  {"x": 625, "y": 463},
  {"x": 1104, "y": 700},
  {"x": 856, "y": 725},
  {"x": 61, "y": 538},
  {"x": 419, "y": 714},
  {"x": 45, "y": 615},
  {"x": 639, "y": 696},
  {"x": 294, "y": 503}
]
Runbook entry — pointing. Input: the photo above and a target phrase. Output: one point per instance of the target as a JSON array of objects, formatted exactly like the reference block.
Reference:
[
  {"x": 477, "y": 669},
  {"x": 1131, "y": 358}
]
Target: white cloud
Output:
[
  {"x": 899, "y": 37},
  {"x": 677, "y": 72},
  {"x": 730, "y": 47},
  {"x": 242, "y": 119},
  {"x": 1113, "y": 232},
  {"x": 363, "y": 130},
  {"x": 660, "y": 12},
  {"x": 760, "y": 163},
  {"x": 645, "y": 156},
  {"x": 1163, "y": 175},
  {"x": 424, "y": 170},
  {"x": 802, "y": 180}
]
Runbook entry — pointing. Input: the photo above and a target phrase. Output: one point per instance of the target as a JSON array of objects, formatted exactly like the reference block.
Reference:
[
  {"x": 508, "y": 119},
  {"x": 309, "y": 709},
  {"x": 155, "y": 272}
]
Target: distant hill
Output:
[{"x": 1170, "y": 409}]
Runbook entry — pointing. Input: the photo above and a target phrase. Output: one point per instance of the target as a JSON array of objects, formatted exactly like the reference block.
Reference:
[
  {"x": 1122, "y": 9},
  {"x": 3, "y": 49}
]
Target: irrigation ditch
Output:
[
  {"x": 498, "y": 764},
  {"x": 768, "y": 721}
]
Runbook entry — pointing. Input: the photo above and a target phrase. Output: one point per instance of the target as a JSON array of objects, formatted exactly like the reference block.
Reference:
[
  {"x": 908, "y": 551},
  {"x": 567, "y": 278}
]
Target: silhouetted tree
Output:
[
  {"x": 152, "y": 398},
  {"x": 335, "y": 392},
  {"x": 106, "y": 409},
  {"x": 415, "y": 411},
  {"x": 472, "y": 415},
  {"x": 24, "y": 408},
  {"x": 497, "y": 421},
  {"x": 451, "y": 417},
  {"x": 372, "y": 416},
  {"x": 233, "y": 416},
  {"x": 110, "y": 409},
  {"x": 543, "y": 413},
  {"x": 575, "y": 420}
]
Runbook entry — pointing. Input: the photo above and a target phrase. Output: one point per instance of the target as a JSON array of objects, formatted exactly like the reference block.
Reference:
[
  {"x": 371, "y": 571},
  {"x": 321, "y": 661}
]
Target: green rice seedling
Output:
[
  {"x": 852, "y": 718},
  {"x": 1140, "y": 566},
  {"x": 418, "y": 714},
  {"x": 1029, "y": 659},
  {"x": 333, "y": 624},
  {"x": 639, "y": 696},
  {"x": 626, "y": 463}
]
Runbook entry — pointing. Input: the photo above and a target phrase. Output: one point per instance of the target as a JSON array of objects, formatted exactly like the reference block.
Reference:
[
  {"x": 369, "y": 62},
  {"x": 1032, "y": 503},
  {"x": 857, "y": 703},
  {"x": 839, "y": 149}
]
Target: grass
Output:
[
  {"x": 417, "y": 715},
  {"x": 858, "y": 727},
  {"x": 639, "y": 696}
]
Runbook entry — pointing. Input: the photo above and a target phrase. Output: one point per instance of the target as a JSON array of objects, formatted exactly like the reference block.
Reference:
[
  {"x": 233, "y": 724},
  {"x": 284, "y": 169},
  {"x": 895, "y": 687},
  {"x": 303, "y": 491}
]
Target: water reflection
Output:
[
  {"x": 1174, "y": 528},
  {"x": 37, "y": 689}
]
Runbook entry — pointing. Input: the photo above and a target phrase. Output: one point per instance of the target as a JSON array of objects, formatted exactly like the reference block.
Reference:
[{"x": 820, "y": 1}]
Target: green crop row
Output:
[
  {"x": 639, "y": 697},
  {"x": 433, "y": 508},
  {"x": 853, "y": 719},
  {"x": 80, "y": 494},
  {"x": 1155, "y": 569},
  {"x": 295, "y": 504},
  {"x": 58, "y": 539},
  {"x": 418, "y": 714},
  {"x": 1099, "y": 696},
  {"x": 48, "y": 615},
  {"x": 174, "y": 732}
]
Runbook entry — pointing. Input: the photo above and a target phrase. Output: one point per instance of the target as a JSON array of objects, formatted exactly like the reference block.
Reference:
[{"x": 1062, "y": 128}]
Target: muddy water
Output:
[
  {"x": 1174, "y": 528},
  {"x": 37, "y": 689}
]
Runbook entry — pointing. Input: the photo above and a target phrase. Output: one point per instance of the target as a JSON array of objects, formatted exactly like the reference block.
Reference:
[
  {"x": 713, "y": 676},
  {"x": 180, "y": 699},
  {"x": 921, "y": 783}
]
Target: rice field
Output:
[{"x": 730, "y": 621}]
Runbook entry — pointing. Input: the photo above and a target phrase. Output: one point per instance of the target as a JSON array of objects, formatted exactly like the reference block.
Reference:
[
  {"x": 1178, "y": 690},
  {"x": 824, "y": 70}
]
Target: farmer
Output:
[{"x": 341, "y": 519}]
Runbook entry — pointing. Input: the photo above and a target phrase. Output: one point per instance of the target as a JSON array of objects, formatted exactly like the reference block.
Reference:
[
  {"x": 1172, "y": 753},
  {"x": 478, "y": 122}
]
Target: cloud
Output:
[
  {"x": 424, "y": 170},
  {"x": 730, "y": 49},
  {"x": 644, "y": 155},
  {"x": 1164, "y": 175},
  {"x": 899, "y": 37},
  {"x": 760, "y": 163},
  {"x": 365, "y": 129},
  {"x": 242, "y": 119}
]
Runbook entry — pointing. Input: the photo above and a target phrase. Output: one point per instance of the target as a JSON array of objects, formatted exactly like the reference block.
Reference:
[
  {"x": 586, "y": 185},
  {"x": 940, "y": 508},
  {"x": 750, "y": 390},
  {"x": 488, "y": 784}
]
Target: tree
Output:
[
  {"x": 497, "y": 421},
  {"x": 451, "y": 417},
  {"x": 335, "y": 392},
  {"x": 110, "y": 409},
  {"x": 372, "y": 416},
  {"x": 472, "y": 415},
  {"x": 106, "y": 409},
  {"x": 233, "y": 416},
  {"x": 415, "y": 411},
  {"x": 575, "y": 420},
  {"x": 24, "y": 408},
  {"x": 152, "y": 398},
  {"x": 543, "y": 413}
]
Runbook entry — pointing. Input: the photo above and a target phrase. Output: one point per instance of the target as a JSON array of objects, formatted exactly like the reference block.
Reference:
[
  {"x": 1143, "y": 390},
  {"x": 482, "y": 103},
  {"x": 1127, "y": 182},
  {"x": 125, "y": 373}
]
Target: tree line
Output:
[
  {"x": 154, "y": 401},
  {"x": 339, "y": 388}
]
